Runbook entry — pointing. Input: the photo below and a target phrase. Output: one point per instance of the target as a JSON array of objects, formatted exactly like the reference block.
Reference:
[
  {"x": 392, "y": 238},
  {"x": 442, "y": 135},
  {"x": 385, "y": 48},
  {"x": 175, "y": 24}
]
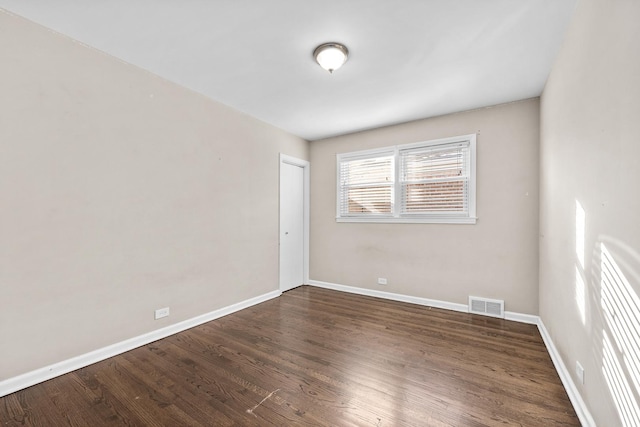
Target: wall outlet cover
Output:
[{"x": 161, "y": 312}]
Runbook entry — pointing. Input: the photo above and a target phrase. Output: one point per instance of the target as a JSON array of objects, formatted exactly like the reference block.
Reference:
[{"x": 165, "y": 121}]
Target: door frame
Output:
[{"x": 305, "y": 165}]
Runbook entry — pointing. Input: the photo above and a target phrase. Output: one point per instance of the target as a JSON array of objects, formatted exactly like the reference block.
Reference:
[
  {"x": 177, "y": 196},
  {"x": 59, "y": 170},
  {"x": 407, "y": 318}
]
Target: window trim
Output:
[{"x": 410, "y": 218}]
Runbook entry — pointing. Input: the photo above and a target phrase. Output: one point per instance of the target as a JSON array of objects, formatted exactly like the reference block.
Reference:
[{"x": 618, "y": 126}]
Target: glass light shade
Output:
[{"x": 331, "y": 56}]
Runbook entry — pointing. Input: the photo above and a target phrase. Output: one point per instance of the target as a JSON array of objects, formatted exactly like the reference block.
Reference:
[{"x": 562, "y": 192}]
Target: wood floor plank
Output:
[{"x": 315, "y": 357}]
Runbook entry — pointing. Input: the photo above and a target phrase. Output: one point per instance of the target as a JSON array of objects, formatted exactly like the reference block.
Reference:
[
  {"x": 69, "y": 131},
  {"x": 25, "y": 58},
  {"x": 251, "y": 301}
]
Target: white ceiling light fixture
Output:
[{"x": 331, "y": 56}]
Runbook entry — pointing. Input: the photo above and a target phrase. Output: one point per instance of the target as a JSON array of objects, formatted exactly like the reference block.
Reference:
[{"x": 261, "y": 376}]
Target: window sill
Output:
[{"x": 408, "y": 220}]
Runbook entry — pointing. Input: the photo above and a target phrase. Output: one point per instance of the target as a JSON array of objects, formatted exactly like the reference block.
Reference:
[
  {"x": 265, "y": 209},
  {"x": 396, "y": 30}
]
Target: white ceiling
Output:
[{"x": 409, "y": 59}]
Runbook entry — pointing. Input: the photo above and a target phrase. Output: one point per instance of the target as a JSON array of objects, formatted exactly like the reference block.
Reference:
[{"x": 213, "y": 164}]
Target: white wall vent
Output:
[{"x": 486, "y": 306}]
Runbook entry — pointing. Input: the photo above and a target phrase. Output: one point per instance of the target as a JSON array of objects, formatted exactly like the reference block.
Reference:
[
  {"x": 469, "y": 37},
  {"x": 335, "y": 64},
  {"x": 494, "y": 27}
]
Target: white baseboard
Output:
[
  {"x": 36, "y": 376},
  {"x": 522, "y": 318},
  {"x": 392, "y": 296},
  {"x": 464, "y": 308},
  {"x": 574, "y": 395}
]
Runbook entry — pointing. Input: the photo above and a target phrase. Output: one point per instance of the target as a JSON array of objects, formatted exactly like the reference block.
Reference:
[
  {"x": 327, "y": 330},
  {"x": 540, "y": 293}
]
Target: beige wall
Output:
[
  {"x": 496, "y": 258},
  {"x": 121, "y": 193},
  {"x": 590, "y": 154}
]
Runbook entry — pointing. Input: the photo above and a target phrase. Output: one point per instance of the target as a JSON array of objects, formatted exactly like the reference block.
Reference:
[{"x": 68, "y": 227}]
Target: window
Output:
[{"x": 431, "y": 181}]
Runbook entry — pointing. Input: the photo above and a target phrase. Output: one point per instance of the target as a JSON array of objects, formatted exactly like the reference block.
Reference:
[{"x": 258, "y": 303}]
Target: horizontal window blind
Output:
[
  {"x": 435, "y": 180},
  {"x": 431, "y": 181},
  {"x": 366, "y": 185}
]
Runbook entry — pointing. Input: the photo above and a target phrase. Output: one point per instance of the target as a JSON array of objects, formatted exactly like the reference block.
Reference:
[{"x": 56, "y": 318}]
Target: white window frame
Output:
[{"x": 396, "y": 216}]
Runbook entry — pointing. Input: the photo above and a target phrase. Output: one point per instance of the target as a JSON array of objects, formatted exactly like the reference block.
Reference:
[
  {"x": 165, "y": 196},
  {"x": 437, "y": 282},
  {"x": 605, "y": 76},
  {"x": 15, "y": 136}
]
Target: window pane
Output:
[
  {"x": 434, "y": 179},
  {"x": 367, "y": 171},
  {"x": 366, "y": 186},
  {"x": 444, "y": 196},
  {"x": 369, "y": 200},
  {"x": 430, "y": 164}
]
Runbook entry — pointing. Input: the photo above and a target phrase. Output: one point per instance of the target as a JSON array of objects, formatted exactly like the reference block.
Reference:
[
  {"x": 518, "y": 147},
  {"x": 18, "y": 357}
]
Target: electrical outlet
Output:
[
  {"x": 382, "y": 281},
  {"x": 580, "y": 372},
  {"x": 162, "y": 312}
]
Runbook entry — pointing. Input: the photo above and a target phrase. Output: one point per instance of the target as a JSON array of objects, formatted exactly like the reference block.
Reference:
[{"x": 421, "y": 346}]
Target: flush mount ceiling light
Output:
[{"x": 331, "y": 56}]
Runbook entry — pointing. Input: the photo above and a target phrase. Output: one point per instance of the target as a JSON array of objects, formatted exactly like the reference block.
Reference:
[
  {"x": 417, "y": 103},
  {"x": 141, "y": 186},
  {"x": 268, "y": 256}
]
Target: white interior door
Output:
[{"x": 292, "y": 225}]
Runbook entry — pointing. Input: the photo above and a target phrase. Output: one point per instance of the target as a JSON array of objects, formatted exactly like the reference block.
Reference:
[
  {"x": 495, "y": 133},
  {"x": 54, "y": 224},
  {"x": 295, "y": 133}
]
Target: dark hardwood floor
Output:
[{"x": 318, "y": 358}]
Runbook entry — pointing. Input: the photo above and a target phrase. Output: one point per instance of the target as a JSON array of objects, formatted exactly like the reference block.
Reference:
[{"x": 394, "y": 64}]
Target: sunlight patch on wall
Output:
[
  {"x": 581, "y": 297},
  {"x": 580, "y": 231},
  {"x": 619, "y": 387},
  {"x": 621, "y": 338}
]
